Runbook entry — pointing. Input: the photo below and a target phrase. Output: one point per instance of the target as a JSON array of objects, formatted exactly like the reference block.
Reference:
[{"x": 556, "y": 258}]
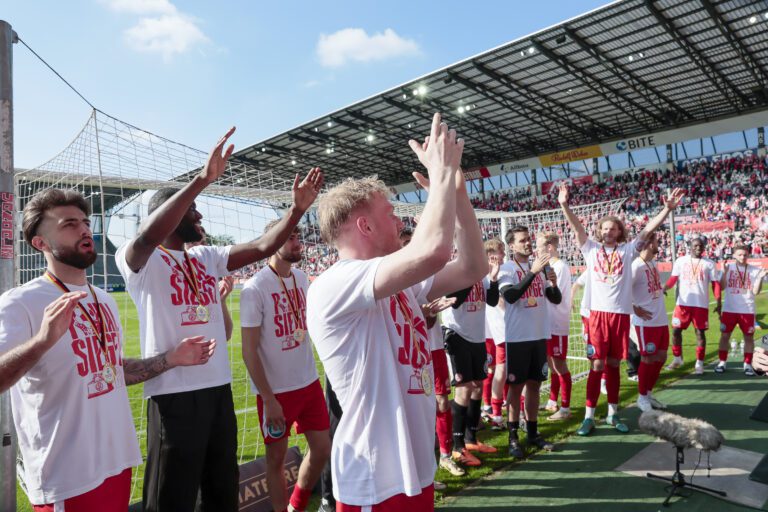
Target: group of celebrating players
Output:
[{"x": 373, "y": 320}]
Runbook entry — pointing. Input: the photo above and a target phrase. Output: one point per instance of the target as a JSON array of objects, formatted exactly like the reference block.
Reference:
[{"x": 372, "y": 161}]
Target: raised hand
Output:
[
  {"x": 551, "y": 276},
  {"x": 191, "y": 351},
  {"x": 305, "y": 193},
  {"x": 539, "y": 263},
  {"x": 217, "y": 162},
  {"x": 673, "y": 198},
  {"x": 57, "y": 316},
  {"x": 494, "y": 264},
  {"x": 226, "y": 285},
  {"x": 563, "y": 195},
  {"x": 440, "y": 153}
]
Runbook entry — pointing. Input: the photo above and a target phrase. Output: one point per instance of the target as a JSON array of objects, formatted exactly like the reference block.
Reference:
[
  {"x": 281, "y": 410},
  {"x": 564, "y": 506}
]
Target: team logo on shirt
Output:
[
  {"x": 184, "y": 295},
  {"x": 532, "y": 294},
  {"x": 414, "y": 351},
  {"x": 476, "y": 298},
  {"x": 284, "y": 317},
  {"x": 87, "y": 349}
]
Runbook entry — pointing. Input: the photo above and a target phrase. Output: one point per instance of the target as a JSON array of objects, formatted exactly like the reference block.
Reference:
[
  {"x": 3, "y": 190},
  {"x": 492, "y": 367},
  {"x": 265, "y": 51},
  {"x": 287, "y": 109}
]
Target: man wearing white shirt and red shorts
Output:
[
  {"x": 61, "y": 354},
  {"x": 694, "y": 273},
  {"x": 651, "y": 324},
  {"x": 281, "y": 363},
  {"x": 365, "y": 319},
  {"x": 609, "y": 262},
  {"x": 740, "y": 283}
]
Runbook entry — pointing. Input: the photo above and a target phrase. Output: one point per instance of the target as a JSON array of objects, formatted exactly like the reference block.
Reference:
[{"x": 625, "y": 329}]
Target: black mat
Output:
[
  {"x": 761, "y": 411},
  {"x": 760, "y": 473}
]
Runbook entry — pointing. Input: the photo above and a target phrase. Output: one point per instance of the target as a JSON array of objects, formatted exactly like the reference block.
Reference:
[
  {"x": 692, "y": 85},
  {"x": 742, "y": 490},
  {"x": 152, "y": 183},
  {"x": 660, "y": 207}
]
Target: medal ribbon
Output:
[
  {"x": 654, "y": 273},
  {"x": 402, "y": 304},
  {"x": 192, "y": 280},
  {"x": 293, "y": 309},
  {"x": 610, "y": 259},
  {"x": 742, "y": 278},
  {"x": 695, "y": 270},
  {"x": 101, "y": 333}
]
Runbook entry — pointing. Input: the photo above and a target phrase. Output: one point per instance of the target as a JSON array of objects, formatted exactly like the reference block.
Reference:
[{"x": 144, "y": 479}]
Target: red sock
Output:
[
  {"x": 554, "y": 386},
  {"x": 444, "y": 429},
  {"x": 565, "y": 389},
  {"x": 522, "y": 402},
  {"x": 487, "y": 389},
  {"x": 748, "y": 357},
  {"x": 677, "y": 350},
  {"x": 700, "y": 352},
  {"x": 656, "y": 371},
  {"x": 300, "y": 497},
  {"x": 496, "y": 406},
  {"x": 612, "y": 383},
  {"x": 593, "y": 388},
  {"x": 644, "y": 373},
  {"x": 722, "y": 354},
  {"x": 506, "y": 390}
]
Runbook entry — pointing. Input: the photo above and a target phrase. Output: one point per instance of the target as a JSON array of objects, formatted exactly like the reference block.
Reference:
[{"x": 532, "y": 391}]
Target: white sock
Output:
[
  {"x": 568, "y": 409},
  {"x": 613, "y": 409},
  {"x": 589, "y": 413},
  {"x": 551, "y": 403}
]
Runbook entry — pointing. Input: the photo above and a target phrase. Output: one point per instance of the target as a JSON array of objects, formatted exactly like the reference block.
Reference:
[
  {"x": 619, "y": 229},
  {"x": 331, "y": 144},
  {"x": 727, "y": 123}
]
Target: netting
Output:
[{"x": 117, "y": 167}]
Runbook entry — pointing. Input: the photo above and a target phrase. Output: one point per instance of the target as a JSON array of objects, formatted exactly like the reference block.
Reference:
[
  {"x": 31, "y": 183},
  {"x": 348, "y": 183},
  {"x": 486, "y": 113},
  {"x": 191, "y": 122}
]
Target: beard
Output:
[
  {"x": 290, "y": 257},
  {"x": 74, "y": 258},
  {"x": 188, "y": 232}
]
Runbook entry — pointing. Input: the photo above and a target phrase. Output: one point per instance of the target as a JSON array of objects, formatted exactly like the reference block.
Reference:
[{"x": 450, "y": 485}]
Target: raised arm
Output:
[
  {"x": 758, "y": 284},
  {"x": 573, "y": 220},
  {"x": 304, "y": 194},
  {"x": 189, "y": 352},
  {"x": 432, "y": 241},
  {"x": 164, "y": 220},
  {"x": 670, "y": 203}
]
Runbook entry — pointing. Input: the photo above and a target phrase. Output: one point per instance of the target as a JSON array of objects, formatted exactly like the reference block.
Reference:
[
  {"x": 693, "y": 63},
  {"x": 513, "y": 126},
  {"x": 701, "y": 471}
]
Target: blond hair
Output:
[
  {"x": 623, "y": 236},
  {"x": 548, "y": 237},
  {"x": 494, "y": 245},
  {"x": 335, "y": 206}
]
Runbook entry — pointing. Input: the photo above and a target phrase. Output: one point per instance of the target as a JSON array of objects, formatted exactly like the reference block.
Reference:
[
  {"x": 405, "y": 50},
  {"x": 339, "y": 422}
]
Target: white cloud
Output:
[
  {"x": 141, "y": 6},
  {"x": 354, "y": 44},
  {"x": 167, "y": 35}
]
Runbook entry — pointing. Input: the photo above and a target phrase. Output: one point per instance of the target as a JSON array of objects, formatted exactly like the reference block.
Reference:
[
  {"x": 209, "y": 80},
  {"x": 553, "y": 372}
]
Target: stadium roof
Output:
[{"x": 625, "y": 69}]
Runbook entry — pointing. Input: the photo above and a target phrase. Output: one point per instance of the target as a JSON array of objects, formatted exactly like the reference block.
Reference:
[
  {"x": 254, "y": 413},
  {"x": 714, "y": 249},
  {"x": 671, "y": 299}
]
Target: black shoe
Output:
[
  {"x": 515, "y": 450},
  {"x": 540, "y": 443}
]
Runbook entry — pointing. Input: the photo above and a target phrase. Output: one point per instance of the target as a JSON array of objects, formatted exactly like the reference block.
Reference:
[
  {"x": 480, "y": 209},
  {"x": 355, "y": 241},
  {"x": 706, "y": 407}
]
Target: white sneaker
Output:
[
  {"x": 748, "y": 370},
  {"x": 603, "y": 389},
  {"x": 720, "y": 368},
  {"x": 644, "y": 404},
  {"x": 633, "y": 378},
  {"x": 699, "y": 368},
  {"x": 655, "y": 403},
  {"x": 676, "y": 363}
]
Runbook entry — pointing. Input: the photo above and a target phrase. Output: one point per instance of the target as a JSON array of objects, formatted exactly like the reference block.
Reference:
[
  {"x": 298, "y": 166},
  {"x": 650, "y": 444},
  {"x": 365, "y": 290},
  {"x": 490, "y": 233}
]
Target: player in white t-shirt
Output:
[
  {"x": 527, "y": 325},
  {"x": 694, "y": 273},
  {"x": 740, "y": 284},
  {"x": 557, "y": 345},
  {"x": 191, "y": 424},
  {"x": 494, "y": 319},
  {"x": 609, "y": 260},
  {"x": 61, "y": 355},
  {"x": 281, "y": 364},
  {"x": 365, "y": 320},
  {"x": 651, "y": 323}
]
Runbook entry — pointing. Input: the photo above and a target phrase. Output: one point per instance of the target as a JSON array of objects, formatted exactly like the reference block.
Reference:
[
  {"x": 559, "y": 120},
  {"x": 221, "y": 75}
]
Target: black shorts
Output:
[
  {"x": 469, "y": 361},
  {"x": 527, "y": 360}
]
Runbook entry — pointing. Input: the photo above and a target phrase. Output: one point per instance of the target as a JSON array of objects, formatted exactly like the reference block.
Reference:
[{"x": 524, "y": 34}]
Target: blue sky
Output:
[{"x": 188, "y": 70}]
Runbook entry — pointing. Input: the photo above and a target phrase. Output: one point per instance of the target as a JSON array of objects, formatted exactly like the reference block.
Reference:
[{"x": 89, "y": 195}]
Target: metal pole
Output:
[{"x": 7, "y": 235}]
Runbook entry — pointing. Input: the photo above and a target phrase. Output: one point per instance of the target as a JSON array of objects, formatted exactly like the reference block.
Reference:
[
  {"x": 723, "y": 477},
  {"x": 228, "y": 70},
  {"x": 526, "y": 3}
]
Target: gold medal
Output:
[
  {"x": 609, "y": 279},
  {"x": 202, "y": 314},
  {"x": 298, "y": 335},
  {"x": 427, "y": 382},
  {"x": 531, "y": 301},
  {"x": 108, "y": 373}
]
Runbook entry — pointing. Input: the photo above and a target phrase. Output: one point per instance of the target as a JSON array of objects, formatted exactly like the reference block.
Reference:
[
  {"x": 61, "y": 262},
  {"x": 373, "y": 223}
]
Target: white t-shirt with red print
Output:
[
  {"x": 648, "y": 293},
  {"x": 166, "y": 305},
  {"x": 74, "y": 428},
  {"x": 468, "y": 320},
  {"x": 289, "y": 364},
  {"x": 529, "y": 318},
  {"x": 379, "y": 368},
  {"x": 738, "y": 296},
  {"x": 583, "y": 281},
  {"x": 694, "y": 278},
  {"x": 561, "y": 313},
  {"x": 610, "y": 276}
]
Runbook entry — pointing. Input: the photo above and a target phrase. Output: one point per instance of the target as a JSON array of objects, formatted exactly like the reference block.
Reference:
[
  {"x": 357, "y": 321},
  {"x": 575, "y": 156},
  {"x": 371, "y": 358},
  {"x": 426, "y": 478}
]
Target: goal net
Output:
[{"x": 118, "y": 166}]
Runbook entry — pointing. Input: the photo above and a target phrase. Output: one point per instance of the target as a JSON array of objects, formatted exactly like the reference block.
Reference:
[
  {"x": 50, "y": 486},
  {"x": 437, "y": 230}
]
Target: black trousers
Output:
[
  {"x": 191, "y": 448},
  {"x": 633, "y": 359},
  {"x": 334, "y": 414}
]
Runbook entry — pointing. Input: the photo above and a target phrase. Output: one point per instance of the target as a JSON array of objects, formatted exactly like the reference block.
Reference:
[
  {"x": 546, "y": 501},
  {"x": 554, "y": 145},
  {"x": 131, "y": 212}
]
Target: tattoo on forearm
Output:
[{"x": 139, "y": 370}]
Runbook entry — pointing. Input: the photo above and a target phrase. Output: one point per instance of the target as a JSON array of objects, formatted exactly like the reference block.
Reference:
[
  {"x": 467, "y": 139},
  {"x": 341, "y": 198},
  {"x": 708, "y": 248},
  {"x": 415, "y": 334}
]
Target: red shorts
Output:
[
  {"x": 585, "y": 328},
  {"x": 557, "y": 346},
  {"x": 442, "y": 378},
  {"x": 683, "y": 316},
  {"x": 745, "y": 321},
  {"x": 112, "y": 495},
  {"x": 501, "y": 353},
  {"x": 651, "y": 340},
  {"x": 490, "y": 349},
  {"x": 305, "y": 407},
  {"x": 423, "y": 502},
  {"x": 608, "y": 335}
]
